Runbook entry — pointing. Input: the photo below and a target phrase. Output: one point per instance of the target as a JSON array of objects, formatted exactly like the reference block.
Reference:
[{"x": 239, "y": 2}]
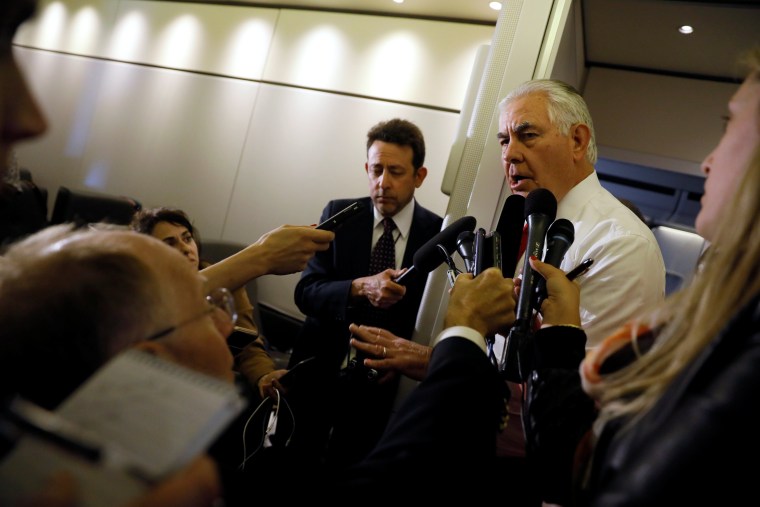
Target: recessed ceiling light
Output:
[
  {"x": 399, "y": 1},
  {"x": 495, "y": 6},
  {"x": 686, "y": 29}
]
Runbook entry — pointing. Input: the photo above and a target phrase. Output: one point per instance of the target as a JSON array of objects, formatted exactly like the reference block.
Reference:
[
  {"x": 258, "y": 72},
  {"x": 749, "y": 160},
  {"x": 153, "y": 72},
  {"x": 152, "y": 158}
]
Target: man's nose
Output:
[
  {"x": 25, "y": 117},
  {"x": 511, "y": 154},
  {"x": 383, "y": 180}
]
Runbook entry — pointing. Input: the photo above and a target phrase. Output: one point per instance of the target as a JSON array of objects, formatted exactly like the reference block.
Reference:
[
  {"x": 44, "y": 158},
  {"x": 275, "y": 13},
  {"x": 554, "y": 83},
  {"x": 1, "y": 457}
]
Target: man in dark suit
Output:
[{"x": 337, "y": 397}]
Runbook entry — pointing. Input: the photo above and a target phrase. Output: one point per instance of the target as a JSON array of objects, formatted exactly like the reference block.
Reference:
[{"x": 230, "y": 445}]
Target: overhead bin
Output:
[{"x": 664, "y": 197}]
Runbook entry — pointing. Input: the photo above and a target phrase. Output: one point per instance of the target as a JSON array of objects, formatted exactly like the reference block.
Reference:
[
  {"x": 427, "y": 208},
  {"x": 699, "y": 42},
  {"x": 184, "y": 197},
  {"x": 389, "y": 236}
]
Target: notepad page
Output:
[{"x": 159, "y": 414}]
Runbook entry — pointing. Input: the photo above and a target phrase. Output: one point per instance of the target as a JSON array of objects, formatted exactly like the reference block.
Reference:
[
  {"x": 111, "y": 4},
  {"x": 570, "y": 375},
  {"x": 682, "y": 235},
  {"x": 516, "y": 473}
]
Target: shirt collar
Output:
[
  {"x": 578, "y": 196},
  {"x": 403, "y": 218}
]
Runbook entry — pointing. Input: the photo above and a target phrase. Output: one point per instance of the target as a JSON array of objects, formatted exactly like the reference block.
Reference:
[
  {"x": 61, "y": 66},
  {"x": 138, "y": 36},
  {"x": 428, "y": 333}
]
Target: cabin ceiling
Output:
[{"x": 637, "y": 35}]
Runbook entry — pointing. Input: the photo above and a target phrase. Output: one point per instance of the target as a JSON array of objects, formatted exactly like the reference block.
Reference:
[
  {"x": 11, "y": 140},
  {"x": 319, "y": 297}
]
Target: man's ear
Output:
[
  {"x": 581, "y": 136},
  {"x": 155, "y": 348},
  {"x": 420, "y": 176}
]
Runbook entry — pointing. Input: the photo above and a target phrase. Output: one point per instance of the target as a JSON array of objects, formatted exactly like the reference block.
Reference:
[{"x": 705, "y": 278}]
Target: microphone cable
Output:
[{"x": 270, "y": 425}]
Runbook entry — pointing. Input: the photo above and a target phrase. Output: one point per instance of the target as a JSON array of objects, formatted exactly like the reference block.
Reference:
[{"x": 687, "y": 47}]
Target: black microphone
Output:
[
  {"x": 510, "y": 227},
  {"x": 429, "y": 256},
  {"x": 465, "y": 241},
  {"x": 559, "y": 237},
  {"x": 540, "y": 211}
]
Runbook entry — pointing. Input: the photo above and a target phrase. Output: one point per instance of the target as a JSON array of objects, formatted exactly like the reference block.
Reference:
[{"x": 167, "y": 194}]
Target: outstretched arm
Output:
[{"x": 281, "y": 251}]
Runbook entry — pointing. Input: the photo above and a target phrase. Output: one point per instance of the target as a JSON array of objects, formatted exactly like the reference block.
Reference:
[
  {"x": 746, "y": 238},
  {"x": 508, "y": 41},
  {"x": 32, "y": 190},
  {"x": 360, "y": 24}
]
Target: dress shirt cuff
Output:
[{"x": 467, "y": 333}]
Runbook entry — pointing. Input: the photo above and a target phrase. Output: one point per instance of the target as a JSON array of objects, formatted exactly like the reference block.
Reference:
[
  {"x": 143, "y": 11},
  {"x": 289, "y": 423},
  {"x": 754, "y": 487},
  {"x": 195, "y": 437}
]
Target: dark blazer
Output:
[
  {"x": 699, "y": 443},
  {"x": 442, "y": 440},
  {"x": 328, "y": 401},
  {"x": 323, "y": 292}
]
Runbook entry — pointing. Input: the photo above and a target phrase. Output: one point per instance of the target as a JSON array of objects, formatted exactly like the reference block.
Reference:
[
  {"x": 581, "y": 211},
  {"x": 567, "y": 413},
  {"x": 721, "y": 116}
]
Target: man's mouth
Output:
[{"x": 514, "y": 181}]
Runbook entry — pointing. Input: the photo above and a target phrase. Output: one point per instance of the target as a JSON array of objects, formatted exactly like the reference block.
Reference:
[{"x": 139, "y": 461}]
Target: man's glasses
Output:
[{"x": 220, "y": 299}]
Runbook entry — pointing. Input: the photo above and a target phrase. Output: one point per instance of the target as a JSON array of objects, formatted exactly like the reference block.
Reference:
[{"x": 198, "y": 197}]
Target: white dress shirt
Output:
[{"x": 628, "y": 273}]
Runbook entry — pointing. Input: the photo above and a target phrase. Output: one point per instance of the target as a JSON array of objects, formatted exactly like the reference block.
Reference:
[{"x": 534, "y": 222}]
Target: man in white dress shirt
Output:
[{"x": 547, "y": 141}]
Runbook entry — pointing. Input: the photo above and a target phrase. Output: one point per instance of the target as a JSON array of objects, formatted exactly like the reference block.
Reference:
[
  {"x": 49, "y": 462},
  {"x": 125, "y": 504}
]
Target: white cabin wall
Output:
[{"x": 245, "y": 117}]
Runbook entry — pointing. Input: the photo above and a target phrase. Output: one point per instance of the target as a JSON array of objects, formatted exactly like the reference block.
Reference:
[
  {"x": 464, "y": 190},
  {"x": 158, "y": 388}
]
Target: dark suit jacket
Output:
[
  {"x": 442, "y": 441},
  {"x": 323, "y": 292},
  {"x": 345, "y": 405},
  {"x": 686, "y": 450}
]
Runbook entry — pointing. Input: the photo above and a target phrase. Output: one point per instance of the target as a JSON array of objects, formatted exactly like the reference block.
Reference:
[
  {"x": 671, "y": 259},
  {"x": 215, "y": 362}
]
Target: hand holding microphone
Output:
[
  {"x": 562, "y": 308},
  {"x": 540, "y": 211}
]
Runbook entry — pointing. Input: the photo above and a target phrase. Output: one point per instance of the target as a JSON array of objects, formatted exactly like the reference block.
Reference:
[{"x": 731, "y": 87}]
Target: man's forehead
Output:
[
  {"x": 381, "y": 151},
  {"x": 527, "y": 109}
]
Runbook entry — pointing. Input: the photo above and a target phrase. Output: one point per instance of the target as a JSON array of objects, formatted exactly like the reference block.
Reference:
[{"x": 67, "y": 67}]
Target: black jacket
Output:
[
  {"x": 699, "y": 444},
  {"x": 345, "y": 404},
  {"x": 323, "y": 291}
]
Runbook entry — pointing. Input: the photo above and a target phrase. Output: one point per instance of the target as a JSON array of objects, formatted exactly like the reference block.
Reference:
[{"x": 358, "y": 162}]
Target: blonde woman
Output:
[{"x": 677, "y": 390}]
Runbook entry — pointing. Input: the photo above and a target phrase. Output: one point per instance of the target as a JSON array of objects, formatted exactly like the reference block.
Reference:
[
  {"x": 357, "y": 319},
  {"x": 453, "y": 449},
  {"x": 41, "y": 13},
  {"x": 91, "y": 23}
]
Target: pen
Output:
[
  {"x": 579, "y": 269},
  {"x": 49, "y": 425}
]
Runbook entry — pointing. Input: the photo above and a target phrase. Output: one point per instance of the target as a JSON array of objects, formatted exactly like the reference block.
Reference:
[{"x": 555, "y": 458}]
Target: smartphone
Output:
[
  {"x": 338, "y": 219},
  {"x": 287, "y": 379},
  {"x": 240, "y": 338}
]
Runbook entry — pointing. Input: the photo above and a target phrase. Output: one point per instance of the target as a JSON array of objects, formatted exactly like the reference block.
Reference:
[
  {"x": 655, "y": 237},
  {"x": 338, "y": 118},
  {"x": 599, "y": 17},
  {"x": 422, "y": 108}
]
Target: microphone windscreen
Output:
[
  {"x": 465, "y": 242},
  {"x": 559, "y": 237},
  {"x": 541, "y": 201},
  {"x": 429, "y": 256},
  {"x": 540, "y": 210},
  {"x": 510, "y": 227}
]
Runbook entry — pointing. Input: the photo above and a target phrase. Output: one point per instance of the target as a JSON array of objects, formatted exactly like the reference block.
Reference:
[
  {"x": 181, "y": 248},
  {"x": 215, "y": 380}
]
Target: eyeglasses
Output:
[{"x": 217, "y": 299}]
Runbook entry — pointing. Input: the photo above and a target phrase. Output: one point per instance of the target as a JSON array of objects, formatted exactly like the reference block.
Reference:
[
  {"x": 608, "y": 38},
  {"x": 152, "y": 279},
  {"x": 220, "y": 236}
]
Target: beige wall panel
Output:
[
  {"x": 669, "y": 122},
  {"x": 66, "y": 88},
  {"x": 161, "y": 136},
  {"x": 416, "y": 61},
  {"x": 177, "y": 142}
]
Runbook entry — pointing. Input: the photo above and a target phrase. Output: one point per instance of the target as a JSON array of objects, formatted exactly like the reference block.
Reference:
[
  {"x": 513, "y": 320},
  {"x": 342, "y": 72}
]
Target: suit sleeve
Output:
[
  {"x": 319, "y": 293},
  {"x": 447, "y": 426},
  {"x": 557, "y": 412}
]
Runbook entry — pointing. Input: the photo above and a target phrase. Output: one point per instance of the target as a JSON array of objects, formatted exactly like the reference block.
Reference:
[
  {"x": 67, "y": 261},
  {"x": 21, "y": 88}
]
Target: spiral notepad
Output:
[
  {"x": 159, "y": 414},
  {"x": 144, "y": 416}
]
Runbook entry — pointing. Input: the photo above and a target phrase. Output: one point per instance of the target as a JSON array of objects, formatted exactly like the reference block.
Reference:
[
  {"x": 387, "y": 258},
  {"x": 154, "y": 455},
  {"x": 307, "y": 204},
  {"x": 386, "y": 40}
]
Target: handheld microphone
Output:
[
  {"x": 429, "y": 255},
  {"x": 465, "y": 242},
  {"x": 559, "y": 237},
  {"x": 510, "y": 227},
  {"x": 540, "y": 211}
]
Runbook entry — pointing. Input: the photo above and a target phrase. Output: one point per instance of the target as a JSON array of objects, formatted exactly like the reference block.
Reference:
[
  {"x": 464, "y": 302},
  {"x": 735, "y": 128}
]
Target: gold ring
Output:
[{"x": 385, "y": 352}]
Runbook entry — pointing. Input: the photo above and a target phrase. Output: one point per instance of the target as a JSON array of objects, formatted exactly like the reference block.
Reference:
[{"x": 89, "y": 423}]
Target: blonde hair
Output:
[{"x": 690, "y": 319}]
